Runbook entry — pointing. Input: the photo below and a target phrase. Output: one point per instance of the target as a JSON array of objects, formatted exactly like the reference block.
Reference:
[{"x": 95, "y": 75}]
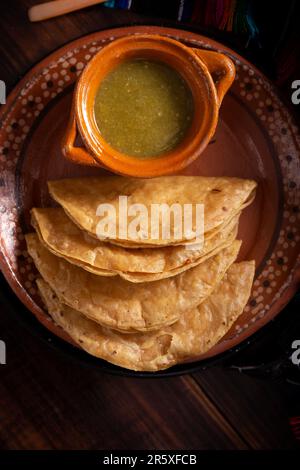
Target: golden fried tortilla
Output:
[
  {"x": 223, "y": 197},
  {"x": 125, "y": 306},
  {"x": 63, "y": 238},
  {"x": 196, "y": 332}
]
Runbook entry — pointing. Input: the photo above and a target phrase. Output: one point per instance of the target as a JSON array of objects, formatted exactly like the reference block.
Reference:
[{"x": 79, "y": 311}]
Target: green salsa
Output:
[{"x": 143, "y": 108}]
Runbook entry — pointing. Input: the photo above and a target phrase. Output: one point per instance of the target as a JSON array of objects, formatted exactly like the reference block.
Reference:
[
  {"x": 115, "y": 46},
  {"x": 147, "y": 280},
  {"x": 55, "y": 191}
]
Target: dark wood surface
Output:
[{"x": 48, "y": 401}]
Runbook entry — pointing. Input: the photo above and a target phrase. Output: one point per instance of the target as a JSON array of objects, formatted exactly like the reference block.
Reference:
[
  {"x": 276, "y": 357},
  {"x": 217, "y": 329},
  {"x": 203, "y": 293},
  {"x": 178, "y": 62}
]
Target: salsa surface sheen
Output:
[{"x": 143, "y": 108}]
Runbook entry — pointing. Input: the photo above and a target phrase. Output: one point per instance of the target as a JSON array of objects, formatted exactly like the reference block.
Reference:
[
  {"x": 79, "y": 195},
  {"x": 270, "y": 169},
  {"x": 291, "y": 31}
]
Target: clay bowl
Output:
[{"x": 199, "y": 68}]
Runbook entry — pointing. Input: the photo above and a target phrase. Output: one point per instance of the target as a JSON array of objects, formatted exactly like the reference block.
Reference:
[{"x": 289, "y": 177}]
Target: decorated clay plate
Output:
[{"x": 256, "y": 138}]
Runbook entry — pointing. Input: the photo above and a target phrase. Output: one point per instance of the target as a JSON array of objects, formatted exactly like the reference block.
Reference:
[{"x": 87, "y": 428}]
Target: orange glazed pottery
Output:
[{"x": 208, "y": 74}]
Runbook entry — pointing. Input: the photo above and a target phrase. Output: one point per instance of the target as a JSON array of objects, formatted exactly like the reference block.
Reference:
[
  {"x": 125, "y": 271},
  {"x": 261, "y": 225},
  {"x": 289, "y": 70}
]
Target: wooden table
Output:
[{"x": 48, "y": 401}]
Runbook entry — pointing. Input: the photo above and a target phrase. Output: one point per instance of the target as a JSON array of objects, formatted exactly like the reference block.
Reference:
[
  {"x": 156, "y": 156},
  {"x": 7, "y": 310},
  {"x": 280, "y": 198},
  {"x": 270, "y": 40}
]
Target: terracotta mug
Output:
[{"x": 208, "y": 74}]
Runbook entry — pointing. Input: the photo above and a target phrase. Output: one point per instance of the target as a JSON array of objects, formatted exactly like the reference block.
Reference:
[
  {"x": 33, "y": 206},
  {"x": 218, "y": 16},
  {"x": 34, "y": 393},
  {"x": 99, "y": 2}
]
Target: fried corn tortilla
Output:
[
  {"x": 125, "y": 306},
  {"x": 191, "y": 243},
  {"x": 63, "y": 238},
  {"x": 222, "y": 197},
  {"x": 196, "y": 332},
  {"x": 145, "y": 277}
]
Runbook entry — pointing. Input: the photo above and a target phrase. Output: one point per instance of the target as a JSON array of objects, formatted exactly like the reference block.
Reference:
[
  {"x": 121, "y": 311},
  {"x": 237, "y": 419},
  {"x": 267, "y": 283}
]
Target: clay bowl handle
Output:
[
  {"x": 220, "y": 67},
  {"x": 75, "y": 154}
]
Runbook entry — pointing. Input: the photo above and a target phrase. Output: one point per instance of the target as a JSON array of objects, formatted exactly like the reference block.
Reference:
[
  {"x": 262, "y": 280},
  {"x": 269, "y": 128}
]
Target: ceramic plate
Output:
[{"x": 256, "y": 138}]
